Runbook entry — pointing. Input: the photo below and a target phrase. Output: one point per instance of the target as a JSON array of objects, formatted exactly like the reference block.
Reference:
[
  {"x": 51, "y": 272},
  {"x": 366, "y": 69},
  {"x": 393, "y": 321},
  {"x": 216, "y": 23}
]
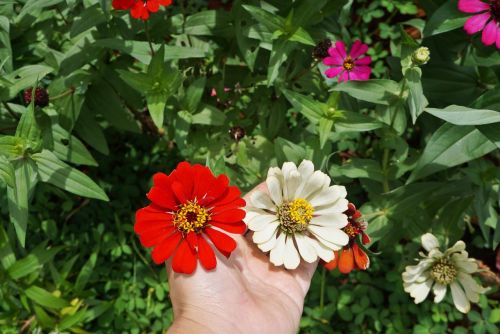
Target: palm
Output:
[{"x": 246, "y": 291}]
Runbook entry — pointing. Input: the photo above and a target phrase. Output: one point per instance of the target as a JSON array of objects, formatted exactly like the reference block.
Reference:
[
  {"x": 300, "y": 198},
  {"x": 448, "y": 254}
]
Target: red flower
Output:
[
  {"x": 189, "y": 206},
  {"x": 140, "y": 9},
  {"x": 352, "y": 256}
]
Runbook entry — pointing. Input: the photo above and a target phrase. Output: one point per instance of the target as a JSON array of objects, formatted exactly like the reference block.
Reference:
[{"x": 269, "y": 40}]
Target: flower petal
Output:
[
  {"x": 335, "y": 220},
  {"x": 363, "y": 61},
  {"x": 230, "y": 216},
  {"x": 324, "y": 253},
  {"x": 439, "y": 292},
  {"x": 329, "y": 195},
  {"x": 333, "y": 263},
  {"x": 358, "y": 49},
  {"x": 306, "y": 250},
  {"x": 472, "y": 6},
  {"x": 206, "y": 254},
  {"x": 260, "y": 222},
  {"x": 459, "y": 298},
  {"x": 340, "y": 47},
  {"x": 277, "y": 253},
  {"x": 419, "y": 291},
  {"x": 330, "y": 234},
  {"x": 333, "y": 71},
  {"x": 266, "y": 233},
  {"x": 275, "y": 191},
  {"x": 360, "y": 258},
  {"x": 429, "y": 242},
  {"x": 164, "y": 250},
  {"x": 224, "y": 243},
  {"x": 476, "y": 23},
  {"x": 360, "y": 73},
  {"x": 262, "y": 200},
  {"x": 162, "y": 197},
  {"x": 489, "y": 35},
  {"x": 269, "y": 244},
  {"x": 184, "y": 259},
  {"x": 346, "y": 260},
  {"x": 335, "y": 60},
  {"x": 236, "y": 228},
  {"x": 291, "y": 256}
]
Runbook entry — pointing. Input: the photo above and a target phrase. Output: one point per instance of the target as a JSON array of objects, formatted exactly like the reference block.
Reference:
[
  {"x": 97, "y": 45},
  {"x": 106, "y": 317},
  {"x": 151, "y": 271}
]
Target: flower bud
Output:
[
  {"x": 41, "y": 96},
  {"x": 421, "y": 56},
  {"x": 320, "y": 51}
]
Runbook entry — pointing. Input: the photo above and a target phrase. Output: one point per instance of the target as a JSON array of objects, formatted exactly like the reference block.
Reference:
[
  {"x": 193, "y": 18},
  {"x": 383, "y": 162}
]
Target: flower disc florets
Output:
[
  {"x": 294, "y": 216},
  {"x": 444, "y": 271}
]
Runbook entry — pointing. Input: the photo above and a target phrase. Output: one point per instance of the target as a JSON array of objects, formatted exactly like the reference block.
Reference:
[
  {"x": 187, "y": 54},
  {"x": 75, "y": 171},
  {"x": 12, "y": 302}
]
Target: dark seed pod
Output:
[
  {"x": 41, "y": 96},
  {"x": 237, "y": 133}
]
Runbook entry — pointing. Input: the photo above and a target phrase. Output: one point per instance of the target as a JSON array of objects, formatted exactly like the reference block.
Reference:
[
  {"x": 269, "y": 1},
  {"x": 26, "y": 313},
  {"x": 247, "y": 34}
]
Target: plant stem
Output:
[
  {"x": 146, "y": 29},
  {"x": 63, "y": 94},
  {"x": 385, "y": 158},
  {"x": 11, "y": 112},
  {"x": 322, "y": 291}
]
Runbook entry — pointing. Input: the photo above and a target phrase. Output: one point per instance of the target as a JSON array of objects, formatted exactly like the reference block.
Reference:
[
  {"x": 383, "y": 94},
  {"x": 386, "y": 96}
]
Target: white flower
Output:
[
  {"x": 439, "y": 270},
  {"x": 301, "y": 214}
]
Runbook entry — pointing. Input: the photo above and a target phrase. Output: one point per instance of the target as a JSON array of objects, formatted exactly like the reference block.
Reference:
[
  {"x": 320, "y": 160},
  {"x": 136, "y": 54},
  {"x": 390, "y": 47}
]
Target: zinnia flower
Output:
[
  {"x": 348, "y": 66},
  {"x": 189, "y": 206},
  {"x": 352, "y": 256},
  {"x": 486, "y": 18},
  {"x": 301, "y": 214},
  {"x": 140, "y": 9},
  {"x": 439, "y": 270}
]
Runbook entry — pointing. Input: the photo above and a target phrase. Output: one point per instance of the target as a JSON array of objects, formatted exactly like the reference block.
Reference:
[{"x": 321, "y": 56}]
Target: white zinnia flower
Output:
[
  {"x": 301, "y": 214},
  {"x": 437, "y": 270}
]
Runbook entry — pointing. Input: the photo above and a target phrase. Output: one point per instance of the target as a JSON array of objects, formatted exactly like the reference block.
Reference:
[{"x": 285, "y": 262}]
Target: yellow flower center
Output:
[
  {"x": 295, "y": 215},
  {"x": 351, "y": 230},
  {"x": 348, "y": 63},
  {"x": 191, "y": 217},
  {"x": 444, "y": 271}
]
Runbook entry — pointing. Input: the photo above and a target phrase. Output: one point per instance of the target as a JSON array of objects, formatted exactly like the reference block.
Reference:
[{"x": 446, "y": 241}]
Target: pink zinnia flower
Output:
[
  {"x": 348, "y": 66},
  {"x": 487, "y": 19}
]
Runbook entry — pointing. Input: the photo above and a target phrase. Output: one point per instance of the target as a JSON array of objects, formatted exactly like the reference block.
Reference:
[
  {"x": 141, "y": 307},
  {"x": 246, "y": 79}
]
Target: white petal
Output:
[
  {"x": 291, "y": 185},
  {"x": 414, "y": 273},
  {"x": 337, "y": 220},
  {"x": 262, "y": 200},
  {"x": 276, "y": 255},
  {"x": 330, "y": 234},
  {"x": 439, "y": 292},
  {"x": 325, "y": 253},
  {"x": 260, "y": 222},
  {"x": 306, "y": 250},
  {"x": 471, "y": 287},
  {"x": 459, "y": 246},
  {"x": 275, "y": 191},
  {"x": 459, "y": 299},
  {"x": 429, "y": 242},
  {"x": 306, "y": 168},
  {"x": 291, "y": 256},
  {"x": 275, "y": 171},
  {"x": 419, "y": 291},
  {"x": 264, "y": 235},
  {"x": 270, "y": 244},
  {"x": 329, "y": 196},
  {"x": 468, "y": 266},
  {"x": 311, "y": 185},
  {"x": 338, "y": 207}
]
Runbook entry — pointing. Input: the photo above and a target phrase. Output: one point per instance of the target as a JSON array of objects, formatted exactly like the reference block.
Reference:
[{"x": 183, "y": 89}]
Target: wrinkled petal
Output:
[
  {"x": 459, "y": 298},
  {"x": 439, "y": 292}
]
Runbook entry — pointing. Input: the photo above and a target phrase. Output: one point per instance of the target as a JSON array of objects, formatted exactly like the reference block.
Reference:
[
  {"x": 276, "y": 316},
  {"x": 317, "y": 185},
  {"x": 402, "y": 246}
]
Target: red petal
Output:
[
  {"x": 231, "y": 195},
  {"x": 149, "y": 218},
  {"x": 154, "y": 237},
  {"x": 179, "y": 193},
  {"x": 164, "y": 250},
  {"x": 162, "y": 180},
  {"x": 346, "y": 261},
  {"x": 162, "y": 197},
  {"x": 153, "y": 5},
  {"x": 184, "y": 174},
  {"x": 222, "y": 241},
  {"x": 365, "y": 238},
  {"x": 237, "y": 228},
  {"x": 231, "y": 216},
  {"x": 137, "y": 10},
  {"x": 206, "y": 254},
  {"x": 216, "y": 189},
  {"x": 356, "y": 215},
  {"x": 192, "y": 240},
  {"x": 203, "y": 179},
  {"x": 165, "y": 2},
  {"x": 184, "y": 259},
  {"x": 362, "y": 260},
  {"x": 333, "y": 263}
]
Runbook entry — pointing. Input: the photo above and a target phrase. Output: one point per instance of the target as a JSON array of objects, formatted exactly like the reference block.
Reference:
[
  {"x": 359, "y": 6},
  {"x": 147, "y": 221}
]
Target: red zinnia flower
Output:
[
  {"x": 486, "y": 18},
  {"x": 352, "y": 256},
  {"x": 348, "y": 66},
  {"x": 140, "y": 9},
  {"x": 189, "y": 206}
]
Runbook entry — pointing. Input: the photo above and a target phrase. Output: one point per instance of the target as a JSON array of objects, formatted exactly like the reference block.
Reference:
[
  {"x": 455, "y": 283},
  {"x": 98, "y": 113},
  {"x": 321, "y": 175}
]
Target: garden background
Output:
[{"x": 234, "y": 84}]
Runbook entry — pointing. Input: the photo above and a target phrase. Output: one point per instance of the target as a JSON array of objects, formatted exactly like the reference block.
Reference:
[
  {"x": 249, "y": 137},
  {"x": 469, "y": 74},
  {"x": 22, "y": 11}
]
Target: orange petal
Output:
[
  {"x": 346, "y": 261},
  {"x": 362, "y": 260},
  {"x": 333, "y": 263}
]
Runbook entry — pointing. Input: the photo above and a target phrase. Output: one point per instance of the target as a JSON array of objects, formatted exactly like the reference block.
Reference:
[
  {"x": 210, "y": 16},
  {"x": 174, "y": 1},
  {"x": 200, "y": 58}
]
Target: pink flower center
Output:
[
  {"x": 495, "y": 9},
  {"x": 348, "y": 63}
]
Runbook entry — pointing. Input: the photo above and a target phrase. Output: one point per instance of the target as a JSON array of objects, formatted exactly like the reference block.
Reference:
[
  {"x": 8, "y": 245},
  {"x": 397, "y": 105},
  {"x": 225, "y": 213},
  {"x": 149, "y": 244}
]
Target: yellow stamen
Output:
[
  {"x": 191, "y": 217},
  {"x": 301, "y": 211},
  {"x": 348, "y": 63}
]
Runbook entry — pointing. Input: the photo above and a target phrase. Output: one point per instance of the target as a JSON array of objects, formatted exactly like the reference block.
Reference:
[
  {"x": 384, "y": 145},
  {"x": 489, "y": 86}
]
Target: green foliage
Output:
[{"x": 416, "y": 147}]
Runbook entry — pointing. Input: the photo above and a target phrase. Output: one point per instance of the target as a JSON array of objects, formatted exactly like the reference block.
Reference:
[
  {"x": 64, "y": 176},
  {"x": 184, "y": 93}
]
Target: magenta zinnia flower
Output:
[
  {"x": 348, "y": 66},
  {"x": 487, "y": 19}
]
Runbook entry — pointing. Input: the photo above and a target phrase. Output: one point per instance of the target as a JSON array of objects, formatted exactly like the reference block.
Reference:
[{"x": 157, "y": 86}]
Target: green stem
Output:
[
  {"x": 322, "y": 291},
  {"x": 385, "y": 158},
  {"x": 146, "y": 29},
  {"x": 66, "y": 93}
]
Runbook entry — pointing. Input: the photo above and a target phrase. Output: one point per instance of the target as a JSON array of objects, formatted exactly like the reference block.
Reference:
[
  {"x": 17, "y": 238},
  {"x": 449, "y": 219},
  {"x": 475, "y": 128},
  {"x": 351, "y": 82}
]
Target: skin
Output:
[{"x": 244, "y": 294}]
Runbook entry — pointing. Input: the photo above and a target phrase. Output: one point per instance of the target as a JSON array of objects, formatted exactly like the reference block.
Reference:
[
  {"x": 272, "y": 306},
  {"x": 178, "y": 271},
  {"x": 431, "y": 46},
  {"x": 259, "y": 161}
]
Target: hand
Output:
[{"x": 244, "y": 294}]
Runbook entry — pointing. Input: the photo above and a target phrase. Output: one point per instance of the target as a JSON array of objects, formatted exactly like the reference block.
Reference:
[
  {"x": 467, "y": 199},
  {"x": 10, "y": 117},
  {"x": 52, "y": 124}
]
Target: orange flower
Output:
[{"x": 352, "y": 256}]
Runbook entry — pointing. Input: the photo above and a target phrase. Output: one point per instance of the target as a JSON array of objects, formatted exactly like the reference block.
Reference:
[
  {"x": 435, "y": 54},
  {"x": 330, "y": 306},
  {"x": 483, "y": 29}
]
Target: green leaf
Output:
[
  {"x": 86, "y": 272},
  {"x": 492, "y": 132},
  {"x": 11, "y": 146},
  {"x": 72, "y": 320},
  {"x": 445, "y": 19},
  {"x": 5, "y": 45},
  {"x": 307, "y": 106},
  {"x": 207, "y": 23},
  {"x": 279, "y": 54},
  {"x": 379, "y": 91},
  {"x": 71, "y": 149},
  {"x": 33, "y": 262},
  {"x": 286, "y": 150},
  {"x": 416, "y": 100},
  {"x": 18, "y": 198},
  {"x": 450, "y": 146},
  {"x": 271, "y": 21},
  {"x": 89, "y": 18},
  {"x": 156, "y": 106},
  {"x": 325, "y": 126},
  {"x": 54, "y": 171},
  {"x": 7, "y": 172},
  {"x": 459, "y": 115},
  {"x": 45, "y": 298},
  {"x": 360, "y": 168},
  {"x": 28, "y": 127},
  {"x": 7, "y": 256},
  {"x": 25, "y": 77},
  {"x": 194, "y": 94},
  {"x": 209, "y": 115},
  {"x": 89, "y": 130},
  {"x": 355, "y": 122}
]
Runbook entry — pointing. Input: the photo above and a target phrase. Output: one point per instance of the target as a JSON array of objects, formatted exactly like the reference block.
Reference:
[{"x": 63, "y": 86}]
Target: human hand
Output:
[{"x": 244, "y": 294}]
